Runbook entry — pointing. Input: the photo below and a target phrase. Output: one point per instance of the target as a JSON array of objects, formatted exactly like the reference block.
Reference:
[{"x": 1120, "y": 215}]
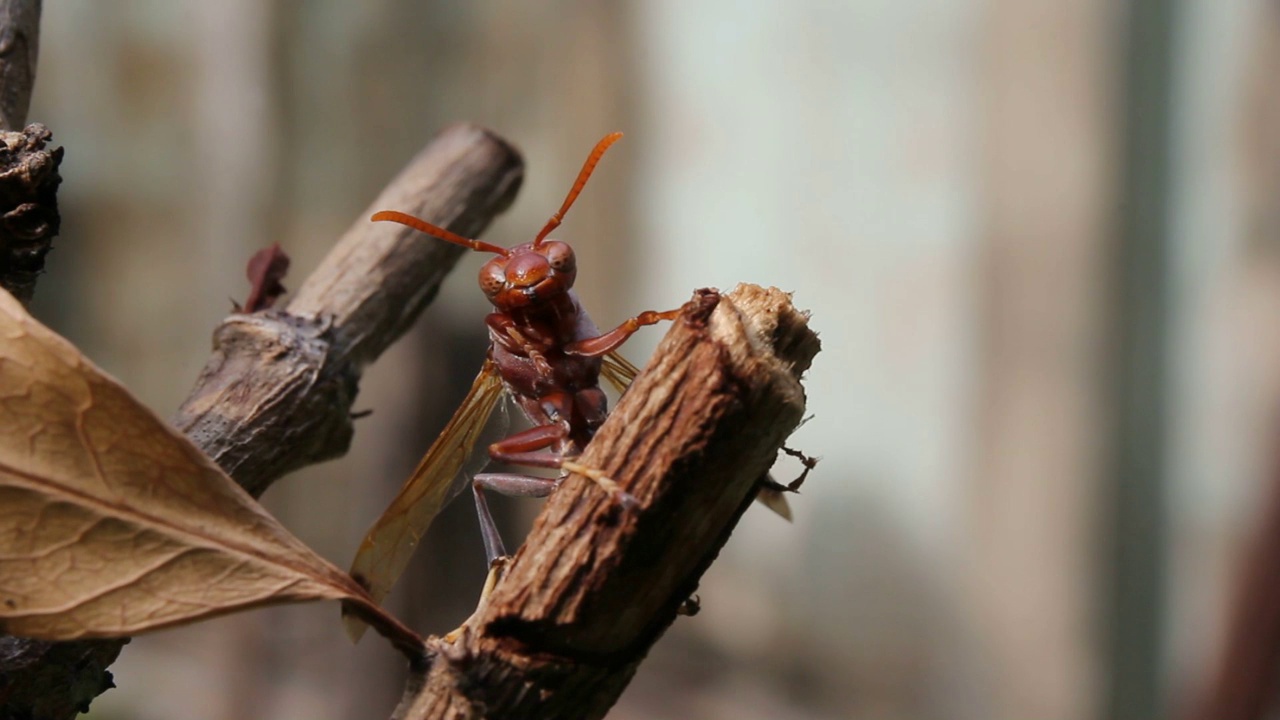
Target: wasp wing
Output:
[
  {"x": 772, "y": 495},
  {"x": 620, "y": 373},
  {"x": 390, "y": 543}
]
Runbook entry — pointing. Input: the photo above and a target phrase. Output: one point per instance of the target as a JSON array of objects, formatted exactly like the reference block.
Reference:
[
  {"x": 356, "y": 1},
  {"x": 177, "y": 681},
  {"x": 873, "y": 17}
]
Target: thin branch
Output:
[
  {"x": 597, "y": 583},
  {"x": 19, "y": 47},
  {"x": 276, "y": 393},
  {"x": 28, "y": 172}
]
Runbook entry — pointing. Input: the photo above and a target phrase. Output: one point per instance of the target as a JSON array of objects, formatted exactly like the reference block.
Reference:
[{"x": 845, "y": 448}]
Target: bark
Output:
[
  {"x": 276, "y": 393},
  {"x": 19, "y": 46},
  {"x": 597, "y": 582},
  {"x": 28, "y": 172},
  {"x": 29, "y": 218}
]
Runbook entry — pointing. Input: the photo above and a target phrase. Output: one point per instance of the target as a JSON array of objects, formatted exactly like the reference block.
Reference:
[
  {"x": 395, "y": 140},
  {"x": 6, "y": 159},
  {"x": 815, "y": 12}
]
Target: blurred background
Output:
[{"x": 1039, "y": 239}]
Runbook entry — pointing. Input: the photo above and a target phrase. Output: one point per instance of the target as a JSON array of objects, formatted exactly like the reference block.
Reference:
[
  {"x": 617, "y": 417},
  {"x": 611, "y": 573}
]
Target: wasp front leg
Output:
[
  {"x": 523, "y": 340},
  {"x": 612, "y": 340}
]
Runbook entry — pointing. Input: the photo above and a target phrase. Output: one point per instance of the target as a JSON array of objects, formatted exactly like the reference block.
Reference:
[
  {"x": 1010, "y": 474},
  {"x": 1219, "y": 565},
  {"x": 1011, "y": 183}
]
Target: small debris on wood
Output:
[
  {"x": 29, "y": 218},
  {"x": 266, "y": 269},
  {"x": 691, "y": 606}
]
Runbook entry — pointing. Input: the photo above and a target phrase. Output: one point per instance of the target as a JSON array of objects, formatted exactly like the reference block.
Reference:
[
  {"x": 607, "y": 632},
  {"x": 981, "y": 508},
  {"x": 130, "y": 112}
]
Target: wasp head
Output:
[{"x": 530, "y": 273}]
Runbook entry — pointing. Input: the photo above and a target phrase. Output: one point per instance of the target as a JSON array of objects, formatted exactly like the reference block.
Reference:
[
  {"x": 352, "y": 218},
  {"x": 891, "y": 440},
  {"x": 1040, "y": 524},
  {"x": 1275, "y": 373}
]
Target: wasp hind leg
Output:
[
  {"x": 523, "y": 449},
  {"x": 516, "y": 485},
  {"x": 494, "y": 550},
  {"x": 528, "y": 448},
  {"x": 507, "y": 484}
]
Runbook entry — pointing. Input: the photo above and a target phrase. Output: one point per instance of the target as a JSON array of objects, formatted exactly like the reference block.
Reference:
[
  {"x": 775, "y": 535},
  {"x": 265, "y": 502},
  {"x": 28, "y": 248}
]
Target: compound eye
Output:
[
  {"x": 492, "y": 279},
  {"x": 559, "y": 254}
]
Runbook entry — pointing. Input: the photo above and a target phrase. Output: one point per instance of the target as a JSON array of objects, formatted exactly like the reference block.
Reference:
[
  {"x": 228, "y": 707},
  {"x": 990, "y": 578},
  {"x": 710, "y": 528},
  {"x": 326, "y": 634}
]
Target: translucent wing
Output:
[
  {"x": 390, "y": 543},
  {"x": 771, "y": 496},
  {"x": 497, "y": 428},
  {"x": 620, "y": 373}
]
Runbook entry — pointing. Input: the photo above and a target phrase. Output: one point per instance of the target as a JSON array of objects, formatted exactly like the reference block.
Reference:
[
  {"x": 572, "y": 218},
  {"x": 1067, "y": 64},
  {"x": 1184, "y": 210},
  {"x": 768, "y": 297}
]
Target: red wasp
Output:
[{"x": 548, "y": 354}]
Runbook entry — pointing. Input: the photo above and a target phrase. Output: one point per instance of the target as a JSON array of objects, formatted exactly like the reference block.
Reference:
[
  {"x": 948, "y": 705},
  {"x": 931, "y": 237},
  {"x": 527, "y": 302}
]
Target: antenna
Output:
[
  {"x": 587, "y": 168},
  {"x": 436, "y": 231}
]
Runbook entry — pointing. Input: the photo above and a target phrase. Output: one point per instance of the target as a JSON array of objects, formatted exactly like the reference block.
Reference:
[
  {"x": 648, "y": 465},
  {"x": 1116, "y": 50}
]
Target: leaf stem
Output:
[{"x": 403, "y": 638}]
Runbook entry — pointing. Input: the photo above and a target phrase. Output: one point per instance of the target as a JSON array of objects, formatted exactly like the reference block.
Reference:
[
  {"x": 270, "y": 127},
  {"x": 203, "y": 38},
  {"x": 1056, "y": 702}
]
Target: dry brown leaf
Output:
[{"x": 111, "y": 523}]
